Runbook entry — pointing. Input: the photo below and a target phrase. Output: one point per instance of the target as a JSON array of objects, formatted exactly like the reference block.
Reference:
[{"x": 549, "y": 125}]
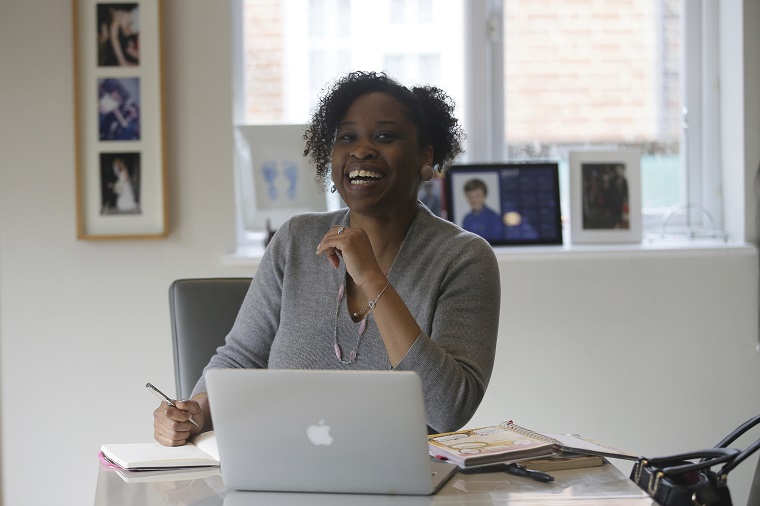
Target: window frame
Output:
[{"x": 484, "y": 121}]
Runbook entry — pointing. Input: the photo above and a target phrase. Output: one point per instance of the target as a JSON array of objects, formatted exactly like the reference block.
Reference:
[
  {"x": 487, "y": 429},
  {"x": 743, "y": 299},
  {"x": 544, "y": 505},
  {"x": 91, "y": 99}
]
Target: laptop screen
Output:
[{"x": 506, "y": 203}]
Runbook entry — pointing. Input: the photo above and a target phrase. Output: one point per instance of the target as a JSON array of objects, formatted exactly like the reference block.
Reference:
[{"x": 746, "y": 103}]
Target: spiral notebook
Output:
[{"x": 508, "y": 442}]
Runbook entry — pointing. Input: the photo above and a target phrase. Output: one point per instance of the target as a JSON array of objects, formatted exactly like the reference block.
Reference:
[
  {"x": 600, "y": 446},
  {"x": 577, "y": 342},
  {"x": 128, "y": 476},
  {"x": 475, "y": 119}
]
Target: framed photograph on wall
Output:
[
  {"x": 605, "y": 197},
  {"x": 121, "y": 183}
]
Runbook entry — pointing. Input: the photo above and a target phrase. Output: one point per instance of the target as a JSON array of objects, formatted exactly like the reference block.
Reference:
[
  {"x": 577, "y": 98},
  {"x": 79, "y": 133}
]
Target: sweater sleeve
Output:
[
  {"x": 456, "y": 359},
  {"x": 250, "y": 339}
]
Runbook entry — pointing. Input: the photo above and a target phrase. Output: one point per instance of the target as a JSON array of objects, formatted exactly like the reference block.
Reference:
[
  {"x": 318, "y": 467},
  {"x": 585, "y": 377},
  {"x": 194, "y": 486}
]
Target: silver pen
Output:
[{"x": 166, "y": 399}]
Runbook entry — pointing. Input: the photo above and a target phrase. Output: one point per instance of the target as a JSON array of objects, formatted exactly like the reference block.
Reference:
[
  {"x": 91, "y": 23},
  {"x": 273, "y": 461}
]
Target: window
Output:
[{"x": 532, "y": 79}]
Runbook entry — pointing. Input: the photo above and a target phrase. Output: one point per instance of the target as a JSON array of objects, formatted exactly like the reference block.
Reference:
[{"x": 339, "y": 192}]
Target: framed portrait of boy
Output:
[{"x": 508, "y": 204}]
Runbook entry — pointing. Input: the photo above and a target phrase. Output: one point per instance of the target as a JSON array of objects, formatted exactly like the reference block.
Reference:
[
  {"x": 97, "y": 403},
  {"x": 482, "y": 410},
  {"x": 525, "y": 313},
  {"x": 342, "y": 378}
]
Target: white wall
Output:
[
  {"x": 653, "y": 352},
  {"x": 83, "y": 325}
]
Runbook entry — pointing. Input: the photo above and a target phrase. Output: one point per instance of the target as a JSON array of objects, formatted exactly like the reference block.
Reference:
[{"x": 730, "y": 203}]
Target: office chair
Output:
[{"x": 202, "y": 313}]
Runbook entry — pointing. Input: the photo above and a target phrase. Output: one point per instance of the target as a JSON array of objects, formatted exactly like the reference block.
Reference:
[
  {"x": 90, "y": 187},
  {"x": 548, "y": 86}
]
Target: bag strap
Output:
[
  {"x": 743, "y": 454},
  {"x": 738, "y": 432},
  {"x": 709, "y": 456}
]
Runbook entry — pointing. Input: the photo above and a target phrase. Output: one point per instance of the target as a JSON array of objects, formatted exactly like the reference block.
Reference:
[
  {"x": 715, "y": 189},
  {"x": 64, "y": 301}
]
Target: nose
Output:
[{"x": 363, "y": 152}]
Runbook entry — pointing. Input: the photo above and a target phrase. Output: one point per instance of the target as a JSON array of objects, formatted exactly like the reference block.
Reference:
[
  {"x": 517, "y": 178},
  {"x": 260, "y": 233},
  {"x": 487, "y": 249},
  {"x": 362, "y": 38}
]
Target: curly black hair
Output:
[{"x": 429, "y": 108}]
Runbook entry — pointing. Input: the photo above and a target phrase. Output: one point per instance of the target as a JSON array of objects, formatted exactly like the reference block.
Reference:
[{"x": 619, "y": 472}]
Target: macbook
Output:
[{"x": 323, "y": 431}]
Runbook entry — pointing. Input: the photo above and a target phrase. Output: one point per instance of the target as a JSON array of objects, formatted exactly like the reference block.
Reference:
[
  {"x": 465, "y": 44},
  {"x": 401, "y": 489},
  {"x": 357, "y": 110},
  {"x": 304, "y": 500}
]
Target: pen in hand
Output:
[{"x": 166, "y": 399}]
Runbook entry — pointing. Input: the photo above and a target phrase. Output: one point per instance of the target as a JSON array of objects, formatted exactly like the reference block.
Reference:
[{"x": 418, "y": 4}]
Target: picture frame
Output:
[
  {"x": 276, "y": 180},
  {"x": 524, "y": 211},
  {"x": 605, "y": 197},
  {"x": 433, "y": 194},
  {"x": 121, "y": 178}
]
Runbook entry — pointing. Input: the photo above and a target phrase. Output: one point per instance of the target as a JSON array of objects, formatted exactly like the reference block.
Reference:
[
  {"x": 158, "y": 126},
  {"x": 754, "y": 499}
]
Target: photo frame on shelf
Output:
[
  {"x": 605, "y": 197},
  {"x": 276, "y": 180},
  {"x": 433, "y": 194},
  {"x": 121, "y": 180},
  {"x": 508, "y": 204}
]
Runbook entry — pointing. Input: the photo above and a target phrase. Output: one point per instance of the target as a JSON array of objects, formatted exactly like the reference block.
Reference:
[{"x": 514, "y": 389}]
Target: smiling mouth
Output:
[{"x": 362, "y": 176}]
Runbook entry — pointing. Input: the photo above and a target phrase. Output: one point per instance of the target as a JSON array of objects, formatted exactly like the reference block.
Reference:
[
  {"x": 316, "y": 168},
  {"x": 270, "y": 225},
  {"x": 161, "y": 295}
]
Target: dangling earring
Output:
[
  {"x": 333, "y": 189},
  {"x": 426, "y": 173}
]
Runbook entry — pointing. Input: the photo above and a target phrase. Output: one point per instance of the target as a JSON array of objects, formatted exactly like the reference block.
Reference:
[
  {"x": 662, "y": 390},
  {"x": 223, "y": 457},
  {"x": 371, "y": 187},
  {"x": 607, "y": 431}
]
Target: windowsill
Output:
[
  {"x": 646, "y": 248},
  {"x": 250, "y": 256}
]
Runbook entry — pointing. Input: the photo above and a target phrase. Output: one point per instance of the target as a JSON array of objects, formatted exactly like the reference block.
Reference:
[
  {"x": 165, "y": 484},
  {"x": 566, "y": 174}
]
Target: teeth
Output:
[{"x": 364, "y": 173}]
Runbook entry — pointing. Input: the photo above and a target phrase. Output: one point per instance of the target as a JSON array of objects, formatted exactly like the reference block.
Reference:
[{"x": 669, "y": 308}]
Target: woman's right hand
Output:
[{"x": 172, "y": 426}]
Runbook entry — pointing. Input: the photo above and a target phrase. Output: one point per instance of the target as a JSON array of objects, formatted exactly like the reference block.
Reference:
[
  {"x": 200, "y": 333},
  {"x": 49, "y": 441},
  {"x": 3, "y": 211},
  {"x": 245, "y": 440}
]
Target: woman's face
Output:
[{"x": 376, "y": 159}]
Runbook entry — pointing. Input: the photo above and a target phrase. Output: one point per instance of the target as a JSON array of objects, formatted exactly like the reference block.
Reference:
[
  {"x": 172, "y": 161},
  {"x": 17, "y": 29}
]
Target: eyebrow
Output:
[{"x": 382, "y": 123}]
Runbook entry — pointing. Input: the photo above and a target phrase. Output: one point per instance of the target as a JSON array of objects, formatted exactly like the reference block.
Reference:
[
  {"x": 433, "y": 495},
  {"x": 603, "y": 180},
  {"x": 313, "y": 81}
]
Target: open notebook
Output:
[{"x": 202, "y": 452}]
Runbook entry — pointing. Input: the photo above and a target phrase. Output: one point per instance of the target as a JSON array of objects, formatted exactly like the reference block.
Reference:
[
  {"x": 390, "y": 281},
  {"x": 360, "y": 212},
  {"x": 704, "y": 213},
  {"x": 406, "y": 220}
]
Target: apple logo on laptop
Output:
[{"x": 319, "y": 434}]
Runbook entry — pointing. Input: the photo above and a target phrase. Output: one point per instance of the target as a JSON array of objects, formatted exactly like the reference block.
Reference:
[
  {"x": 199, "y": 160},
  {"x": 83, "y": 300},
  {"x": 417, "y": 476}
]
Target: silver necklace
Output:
[
  {"x": 362, "y": 328},
  {"x": 362, "y": 324}
]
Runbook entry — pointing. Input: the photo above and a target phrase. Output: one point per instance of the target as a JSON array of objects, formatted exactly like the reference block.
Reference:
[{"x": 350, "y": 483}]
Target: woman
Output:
[
  {"x": 125, "y": 194},
  {"x": 384, "y": 284}
]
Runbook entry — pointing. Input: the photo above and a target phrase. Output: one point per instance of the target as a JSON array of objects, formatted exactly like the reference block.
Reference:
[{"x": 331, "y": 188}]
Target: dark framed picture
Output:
[
  {"x": 119, "y": 125},
  {"x": 506, "y": 203},
  {"x": 605, "y": 197},
  {"x": 120, "y": 183},
  {"x": 118, "y": 34}
]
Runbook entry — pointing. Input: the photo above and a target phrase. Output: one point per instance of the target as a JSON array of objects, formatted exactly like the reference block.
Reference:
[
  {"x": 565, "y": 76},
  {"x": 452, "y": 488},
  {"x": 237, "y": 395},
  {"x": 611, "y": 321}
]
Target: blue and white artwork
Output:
[{"x": 275, "y": 174}]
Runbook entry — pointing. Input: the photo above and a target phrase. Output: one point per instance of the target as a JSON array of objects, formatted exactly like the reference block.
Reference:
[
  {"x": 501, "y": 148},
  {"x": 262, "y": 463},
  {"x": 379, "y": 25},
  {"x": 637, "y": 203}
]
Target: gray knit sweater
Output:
[{"x": 448, "y": 278}]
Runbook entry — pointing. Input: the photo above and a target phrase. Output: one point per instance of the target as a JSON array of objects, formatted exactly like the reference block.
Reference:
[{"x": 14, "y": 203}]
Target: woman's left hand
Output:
[{"x": 352, "y": 244}]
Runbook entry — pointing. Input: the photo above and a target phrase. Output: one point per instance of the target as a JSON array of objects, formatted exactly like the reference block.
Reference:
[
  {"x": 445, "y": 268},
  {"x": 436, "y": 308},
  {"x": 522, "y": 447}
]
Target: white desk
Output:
[{"x": 591, "y": 486}]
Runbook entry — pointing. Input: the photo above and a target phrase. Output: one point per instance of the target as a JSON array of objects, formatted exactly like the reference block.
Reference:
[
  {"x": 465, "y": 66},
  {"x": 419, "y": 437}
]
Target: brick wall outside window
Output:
[{"x": 577, "y": 71}]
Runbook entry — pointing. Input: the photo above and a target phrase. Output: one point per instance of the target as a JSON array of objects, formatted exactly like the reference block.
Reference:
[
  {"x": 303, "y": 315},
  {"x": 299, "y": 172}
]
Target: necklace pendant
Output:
[
  {"x": 362, "y": 326},
  {"x": 352, "y": 356},
  {"x": 338, "y": 353}
]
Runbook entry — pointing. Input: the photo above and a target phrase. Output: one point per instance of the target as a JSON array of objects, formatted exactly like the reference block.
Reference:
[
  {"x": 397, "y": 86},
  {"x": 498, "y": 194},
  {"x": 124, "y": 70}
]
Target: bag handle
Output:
[
  {"x": 743, "y": 454},
  {"x": 709, "y": 456},
  {"x": 738, "y": 432}
]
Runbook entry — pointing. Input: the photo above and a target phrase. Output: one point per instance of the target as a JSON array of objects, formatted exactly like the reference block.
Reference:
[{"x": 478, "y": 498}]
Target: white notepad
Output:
[{"x": 202, "y": 452}]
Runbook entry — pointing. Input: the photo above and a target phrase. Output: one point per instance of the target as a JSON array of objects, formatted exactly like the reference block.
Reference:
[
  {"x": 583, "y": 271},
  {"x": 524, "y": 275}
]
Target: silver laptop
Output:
[{"x": 323, "y": 431}]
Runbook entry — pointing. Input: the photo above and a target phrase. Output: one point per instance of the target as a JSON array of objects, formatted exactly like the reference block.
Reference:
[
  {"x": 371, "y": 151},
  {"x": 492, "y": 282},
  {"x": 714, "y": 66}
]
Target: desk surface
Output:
[{"x": 596, "y": 485}]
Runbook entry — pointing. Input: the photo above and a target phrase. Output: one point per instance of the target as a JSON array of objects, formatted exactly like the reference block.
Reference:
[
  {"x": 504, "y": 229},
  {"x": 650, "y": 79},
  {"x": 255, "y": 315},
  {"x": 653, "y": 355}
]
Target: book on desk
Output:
[
  {"x": 200, "y": 452},
  {"x": 508, "y": 442}
]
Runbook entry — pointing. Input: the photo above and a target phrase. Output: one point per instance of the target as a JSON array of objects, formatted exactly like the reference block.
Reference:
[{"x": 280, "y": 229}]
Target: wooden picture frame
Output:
[
  {"x": 121, "y": 181},
  {"x": 605, "y": 197}
]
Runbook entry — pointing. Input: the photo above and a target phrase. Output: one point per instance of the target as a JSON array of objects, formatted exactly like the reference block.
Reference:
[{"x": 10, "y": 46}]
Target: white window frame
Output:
[
  {"x": 485, "y": 122},
  {"x": 699, "y": 144},
  {"x": 700, "y": 138}
]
